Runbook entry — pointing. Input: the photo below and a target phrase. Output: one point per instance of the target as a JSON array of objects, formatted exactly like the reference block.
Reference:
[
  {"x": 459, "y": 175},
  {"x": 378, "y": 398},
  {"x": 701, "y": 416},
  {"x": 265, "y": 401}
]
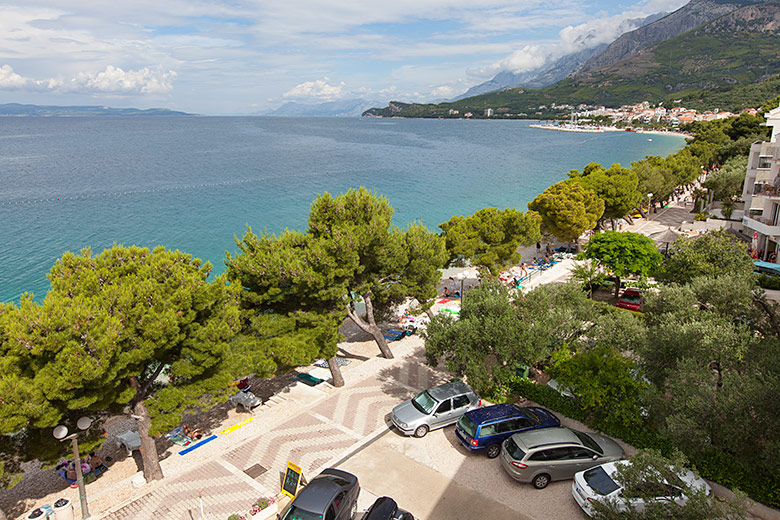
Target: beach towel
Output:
[
  {"x": 198, "y": 445},
  {"x": 444, "y": 300}
]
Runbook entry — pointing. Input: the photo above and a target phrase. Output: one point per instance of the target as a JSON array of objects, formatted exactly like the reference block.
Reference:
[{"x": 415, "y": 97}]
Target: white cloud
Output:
[
  {"x": 10, "y": 80},
  {"x": 575, "y": 38},
  {"x": 319, "y": 89},
  {"x": 444, "y": 91},
  {"x": 113, "y": 80}
]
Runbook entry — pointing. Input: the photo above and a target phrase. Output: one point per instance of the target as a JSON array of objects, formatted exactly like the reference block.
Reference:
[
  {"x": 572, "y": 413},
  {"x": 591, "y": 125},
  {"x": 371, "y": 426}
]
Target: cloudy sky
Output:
[{"x": 237, "y": 57}]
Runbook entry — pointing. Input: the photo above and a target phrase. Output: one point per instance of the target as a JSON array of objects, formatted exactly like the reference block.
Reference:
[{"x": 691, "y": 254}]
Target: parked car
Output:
[
  {"x": 631, "y": 299},
  {"x": 599, "y": 484},
  {"x": 486, "y": 428},
  {"x": 385, "y": 508},
  {"x": 541, "y": 456},
  {"x": 435, "y": 407},
  {"x": 331, "y": 495}
]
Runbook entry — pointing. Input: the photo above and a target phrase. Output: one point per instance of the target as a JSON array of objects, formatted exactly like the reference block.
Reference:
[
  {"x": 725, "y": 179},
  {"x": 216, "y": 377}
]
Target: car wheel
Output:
[
  {"x": 421, "y": 431},
  {"x": 541, "y": 481},
  {"x": 493, "y": 451}
]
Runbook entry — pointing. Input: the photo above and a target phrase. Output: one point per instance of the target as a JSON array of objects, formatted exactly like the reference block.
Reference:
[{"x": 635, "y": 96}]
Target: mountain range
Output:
[
  {"x": 19, "y": 110},
  {"x": 704, "y": 47},
  {"x": 553, "y": 71}
]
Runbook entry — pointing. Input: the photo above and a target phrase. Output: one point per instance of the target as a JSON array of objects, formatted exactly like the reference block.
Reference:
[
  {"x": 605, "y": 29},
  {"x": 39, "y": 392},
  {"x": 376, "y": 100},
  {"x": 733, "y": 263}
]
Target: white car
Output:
[{"x": 598, "y": 484}]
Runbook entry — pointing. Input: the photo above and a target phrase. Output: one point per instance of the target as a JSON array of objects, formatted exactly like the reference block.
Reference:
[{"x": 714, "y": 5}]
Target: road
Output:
[{"x": 435, "y": 479}]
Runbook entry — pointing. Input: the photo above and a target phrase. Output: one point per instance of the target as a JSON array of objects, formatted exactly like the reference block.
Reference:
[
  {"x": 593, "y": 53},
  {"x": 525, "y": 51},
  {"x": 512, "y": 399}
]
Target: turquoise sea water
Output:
[{"x": 193, "y": 183}]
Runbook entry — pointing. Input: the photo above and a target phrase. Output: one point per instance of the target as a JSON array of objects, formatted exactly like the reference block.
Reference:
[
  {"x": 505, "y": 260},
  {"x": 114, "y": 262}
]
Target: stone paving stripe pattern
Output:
[{"x": 223, "y": 494}]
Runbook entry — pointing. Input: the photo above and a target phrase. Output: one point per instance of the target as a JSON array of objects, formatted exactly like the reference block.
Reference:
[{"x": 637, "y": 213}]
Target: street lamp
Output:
[
  {"x": 461, "y": 277},
  {"x": 61, "y": 433},
  {"x": 649, "y": 202}
]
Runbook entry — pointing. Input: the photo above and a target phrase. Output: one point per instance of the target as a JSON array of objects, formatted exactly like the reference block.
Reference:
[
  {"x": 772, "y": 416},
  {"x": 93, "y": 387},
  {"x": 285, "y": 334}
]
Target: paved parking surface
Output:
[{"x": 436, "y": 480}]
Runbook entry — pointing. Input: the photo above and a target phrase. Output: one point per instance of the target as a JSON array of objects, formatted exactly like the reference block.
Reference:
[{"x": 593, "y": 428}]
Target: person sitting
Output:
[
  {"x": 446, "y": 292},
  {"x": 193, "y": 434}
]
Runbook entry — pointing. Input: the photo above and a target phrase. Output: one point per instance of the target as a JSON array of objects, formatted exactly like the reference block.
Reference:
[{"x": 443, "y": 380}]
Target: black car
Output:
[
  {"x": 331, "y": 495},
  {"x": 385, "y": 508}
]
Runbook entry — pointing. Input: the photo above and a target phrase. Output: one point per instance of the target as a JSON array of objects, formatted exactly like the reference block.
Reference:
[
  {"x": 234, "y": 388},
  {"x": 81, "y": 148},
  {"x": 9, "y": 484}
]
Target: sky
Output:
[{"x": 243, "y": 57}]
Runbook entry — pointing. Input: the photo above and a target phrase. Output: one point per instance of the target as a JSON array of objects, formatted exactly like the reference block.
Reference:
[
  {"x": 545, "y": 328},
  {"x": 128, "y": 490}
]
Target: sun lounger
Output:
[
  {"x": 309, "y": 379},
  {"x": 130, "y": 440},
  {"x": 246, "y": 399}
]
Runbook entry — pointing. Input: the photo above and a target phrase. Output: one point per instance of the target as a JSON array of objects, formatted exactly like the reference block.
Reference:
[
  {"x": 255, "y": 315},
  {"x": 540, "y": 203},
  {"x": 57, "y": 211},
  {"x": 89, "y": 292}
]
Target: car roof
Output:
[
  {"x": 531, "y": 439},
  {"x": 383, "y": 509},
  {"x": 497, "y": 411},
  {"x": 318, "y": 493},
  {"x": 448, "y": 390},
  {"x": 632, "y": 290}
]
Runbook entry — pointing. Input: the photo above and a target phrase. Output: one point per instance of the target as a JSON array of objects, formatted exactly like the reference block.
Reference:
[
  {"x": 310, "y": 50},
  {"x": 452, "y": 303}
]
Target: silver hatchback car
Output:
[
  {"x": 436, "y": 407},
  {"x": 541, "y": 456}
]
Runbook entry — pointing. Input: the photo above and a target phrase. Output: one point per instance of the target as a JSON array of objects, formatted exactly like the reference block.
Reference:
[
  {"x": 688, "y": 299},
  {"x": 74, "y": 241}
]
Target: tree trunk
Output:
[
  {"x": 152, "y": 469},
  {"x": 371, "y": 326},
  {"x": 335, "y": 372},
  {"x": 614, "y": 226},
  {"x": 617, "y": 286},
  {"x": 428, "y": 311}
]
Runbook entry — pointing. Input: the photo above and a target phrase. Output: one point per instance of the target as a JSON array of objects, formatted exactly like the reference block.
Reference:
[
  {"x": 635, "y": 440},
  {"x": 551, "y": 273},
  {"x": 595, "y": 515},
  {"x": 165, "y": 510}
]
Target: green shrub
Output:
[
  {"x": 768, "y": 281},
  {"x": 715, "y": 465},
  {"x": 701, "y": 217}
]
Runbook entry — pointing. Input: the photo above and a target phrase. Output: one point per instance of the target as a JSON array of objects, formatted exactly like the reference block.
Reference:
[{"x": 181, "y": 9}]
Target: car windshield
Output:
[
  {"x": 514, "y": 451},
  {"x": 588, "y": 441},
  {"x": 534, "y": 418},
  {"x": 599, "y": 481},
  {"x": 424, "y": 402},
  {"x": 468, "y": 426},
  {"x": 631, "y": 298},
  {"x": 296, "y": 513}
]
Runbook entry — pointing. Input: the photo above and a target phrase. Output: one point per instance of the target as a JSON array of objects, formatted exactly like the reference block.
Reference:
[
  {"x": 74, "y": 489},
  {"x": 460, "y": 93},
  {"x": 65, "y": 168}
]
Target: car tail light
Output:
[
  {"x": 518, "y": 464},
  {"x": 479, "y": 403},
  {"x": 591, "y": 499},
  {"x": 474, "y": 442}
]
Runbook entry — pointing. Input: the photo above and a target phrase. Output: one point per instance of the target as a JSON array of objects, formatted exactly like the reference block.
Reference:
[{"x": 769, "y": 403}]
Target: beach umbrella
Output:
[{"x": 666, "y": 237}]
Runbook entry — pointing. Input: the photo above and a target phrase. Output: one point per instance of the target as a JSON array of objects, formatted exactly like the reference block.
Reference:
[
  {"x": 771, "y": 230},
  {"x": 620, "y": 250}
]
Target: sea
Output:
[{"x": 196, "y": 184}]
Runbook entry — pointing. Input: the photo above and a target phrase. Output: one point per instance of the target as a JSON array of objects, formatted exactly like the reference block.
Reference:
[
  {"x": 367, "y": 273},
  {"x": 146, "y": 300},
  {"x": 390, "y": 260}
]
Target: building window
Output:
[{"x": 764, "y": 162}]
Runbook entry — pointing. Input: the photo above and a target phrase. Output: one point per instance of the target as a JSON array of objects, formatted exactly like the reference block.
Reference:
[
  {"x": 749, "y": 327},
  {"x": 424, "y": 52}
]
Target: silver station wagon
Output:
[
  {"x": 436, "y": 407},
  {"x": 540, "y": 456}
]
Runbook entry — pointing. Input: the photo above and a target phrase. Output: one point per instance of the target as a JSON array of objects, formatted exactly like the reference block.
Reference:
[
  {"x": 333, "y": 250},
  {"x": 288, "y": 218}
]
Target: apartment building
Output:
[{"x": 761, "y": 192}]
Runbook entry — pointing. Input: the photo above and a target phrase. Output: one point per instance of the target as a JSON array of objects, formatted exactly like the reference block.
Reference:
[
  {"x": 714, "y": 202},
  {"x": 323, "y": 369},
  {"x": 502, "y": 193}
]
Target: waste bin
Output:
[
  {"x": 40, "y": 513},
  {"x": 63, "y": 509}
]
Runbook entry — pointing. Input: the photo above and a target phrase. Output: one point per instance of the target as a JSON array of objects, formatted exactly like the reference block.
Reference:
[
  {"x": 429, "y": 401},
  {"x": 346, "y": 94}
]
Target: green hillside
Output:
[{"x": 714, "y": 66}]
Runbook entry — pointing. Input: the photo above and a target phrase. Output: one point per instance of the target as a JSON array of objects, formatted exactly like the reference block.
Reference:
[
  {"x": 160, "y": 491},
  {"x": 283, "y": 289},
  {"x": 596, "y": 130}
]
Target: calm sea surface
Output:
[{"x": 193, "y": 183}]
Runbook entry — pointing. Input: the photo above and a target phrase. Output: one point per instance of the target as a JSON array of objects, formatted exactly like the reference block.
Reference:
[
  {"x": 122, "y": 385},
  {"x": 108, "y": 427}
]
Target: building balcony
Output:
[
  {"x": 761, "y": 225},
  {"x": 766, "y": 190}
]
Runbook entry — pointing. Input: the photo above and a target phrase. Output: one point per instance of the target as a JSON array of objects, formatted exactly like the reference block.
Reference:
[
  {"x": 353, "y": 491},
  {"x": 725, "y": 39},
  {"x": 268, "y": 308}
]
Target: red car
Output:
[{"x": 631, "y": 299}]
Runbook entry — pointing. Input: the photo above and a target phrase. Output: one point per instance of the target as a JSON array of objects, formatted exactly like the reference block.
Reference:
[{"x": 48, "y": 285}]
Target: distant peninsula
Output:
[{"x": 20, "y": 110}]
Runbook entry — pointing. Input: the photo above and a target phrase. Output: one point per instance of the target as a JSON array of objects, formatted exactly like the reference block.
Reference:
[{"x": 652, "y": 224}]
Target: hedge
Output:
[{"x": 716, "y": 466}]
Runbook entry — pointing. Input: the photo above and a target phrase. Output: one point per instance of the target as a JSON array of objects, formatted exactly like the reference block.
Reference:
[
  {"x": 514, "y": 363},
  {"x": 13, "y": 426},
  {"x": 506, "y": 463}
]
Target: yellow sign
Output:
[
  {"x": 236, "y": 426},
  {"x": 292, "y": 480}
]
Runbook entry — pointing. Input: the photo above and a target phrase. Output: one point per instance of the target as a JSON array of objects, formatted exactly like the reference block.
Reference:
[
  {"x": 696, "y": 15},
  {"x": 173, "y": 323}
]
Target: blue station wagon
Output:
[{"x": 486, "y": 428}]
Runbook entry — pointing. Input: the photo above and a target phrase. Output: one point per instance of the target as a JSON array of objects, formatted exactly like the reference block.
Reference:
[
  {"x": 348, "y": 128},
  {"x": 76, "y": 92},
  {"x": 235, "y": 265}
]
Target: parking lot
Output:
[{"x": 436, "y": 479}]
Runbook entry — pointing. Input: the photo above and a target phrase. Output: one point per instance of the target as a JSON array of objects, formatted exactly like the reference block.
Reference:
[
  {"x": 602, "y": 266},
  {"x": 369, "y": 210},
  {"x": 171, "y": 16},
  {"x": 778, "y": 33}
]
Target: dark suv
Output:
[
  {"x": 486, "y": 428},
  {"x": 331, "y": 495}
]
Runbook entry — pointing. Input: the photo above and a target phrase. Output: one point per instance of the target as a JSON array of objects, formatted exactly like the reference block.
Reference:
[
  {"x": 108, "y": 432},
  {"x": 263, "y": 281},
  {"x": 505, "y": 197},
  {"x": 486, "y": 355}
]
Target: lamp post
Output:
[
  {"x": 461, "y": 277},
  {"x": 61, "y": 433},
  {"x": 649, "y": 207}
]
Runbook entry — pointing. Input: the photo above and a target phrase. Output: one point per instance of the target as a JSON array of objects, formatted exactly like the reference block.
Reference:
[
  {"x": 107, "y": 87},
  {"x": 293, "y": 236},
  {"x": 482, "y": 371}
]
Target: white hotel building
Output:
[{"x": 761, "y": 192}]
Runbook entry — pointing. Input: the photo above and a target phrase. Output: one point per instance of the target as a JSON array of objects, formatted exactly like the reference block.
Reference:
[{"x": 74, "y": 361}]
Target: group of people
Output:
[{"x": 89, "y": 464}]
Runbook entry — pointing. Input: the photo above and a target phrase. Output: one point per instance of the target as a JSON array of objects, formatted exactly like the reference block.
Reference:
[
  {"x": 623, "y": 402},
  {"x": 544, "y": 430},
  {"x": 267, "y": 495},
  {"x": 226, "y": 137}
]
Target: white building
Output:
[{"x": 762, "y": 191}]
